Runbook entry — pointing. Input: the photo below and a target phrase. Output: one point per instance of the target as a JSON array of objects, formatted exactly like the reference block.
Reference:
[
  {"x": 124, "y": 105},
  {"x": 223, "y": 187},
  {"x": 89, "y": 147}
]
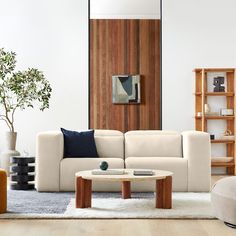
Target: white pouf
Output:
[{"x": 223, "y": 198}]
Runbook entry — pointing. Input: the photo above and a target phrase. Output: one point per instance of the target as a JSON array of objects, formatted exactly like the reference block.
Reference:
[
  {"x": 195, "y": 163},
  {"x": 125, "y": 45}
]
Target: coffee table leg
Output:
[
  {"x": 83, "y": 193},
  {"x": 164, "y": 193},
  {"x": 88, "y": 192},
  {"x": 126, "y": 190}
]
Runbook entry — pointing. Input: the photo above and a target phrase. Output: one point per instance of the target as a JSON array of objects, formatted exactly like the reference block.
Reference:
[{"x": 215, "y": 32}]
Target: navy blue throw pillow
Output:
[{"x": 79, "y": 144}]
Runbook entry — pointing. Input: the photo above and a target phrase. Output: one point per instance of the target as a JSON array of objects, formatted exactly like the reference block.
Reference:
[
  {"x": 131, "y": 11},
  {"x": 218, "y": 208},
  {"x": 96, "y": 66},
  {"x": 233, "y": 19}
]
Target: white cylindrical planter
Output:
[{"x": 10, "y": 151}]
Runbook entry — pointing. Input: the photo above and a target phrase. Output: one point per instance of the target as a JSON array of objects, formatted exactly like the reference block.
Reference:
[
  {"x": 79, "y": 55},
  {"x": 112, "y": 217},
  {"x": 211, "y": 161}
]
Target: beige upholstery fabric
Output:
[
  {"x": 197, "y": 150},
  {"x": 142, "y": 149},
  {"x": 223, "y": 198},
  {"x": 179, "y": 166},
  {"x": 69, "y": 166},
  {"x": 109, "y": 143},
  {"x": 152, "y": 144},
  {"x": 49, "y": 153}
]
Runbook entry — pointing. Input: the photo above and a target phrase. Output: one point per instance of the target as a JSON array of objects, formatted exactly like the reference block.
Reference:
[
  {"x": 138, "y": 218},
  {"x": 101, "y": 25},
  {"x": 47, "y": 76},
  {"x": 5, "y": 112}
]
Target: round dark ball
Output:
[{"x": 103, "y": 165}]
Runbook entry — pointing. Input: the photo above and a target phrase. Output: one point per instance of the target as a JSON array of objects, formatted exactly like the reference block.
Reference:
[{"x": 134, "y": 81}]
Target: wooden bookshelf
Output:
[{"x": 201, "y": 97}]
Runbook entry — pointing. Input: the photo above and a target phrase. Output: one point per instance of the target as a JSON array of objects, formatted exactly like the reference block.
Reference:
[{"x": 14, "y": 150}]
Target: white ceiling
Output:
[{"x": 125, "y": 9}]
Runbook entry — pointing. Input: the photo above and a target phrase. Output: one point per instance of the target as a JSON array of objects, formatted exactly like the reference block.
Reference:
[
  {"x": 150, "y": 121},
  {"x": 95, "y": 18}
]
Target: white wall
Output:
[
  {"x": 125, "y": 9},
  {"x": 195, "y": 34},
  {"x": 51, "y": 35}
]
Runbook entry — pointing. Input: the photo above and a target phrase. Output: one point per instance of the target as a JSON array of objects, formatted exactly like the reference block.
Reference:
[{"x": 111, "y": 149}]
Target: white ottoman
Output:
[{"x": 223, "y": 198}]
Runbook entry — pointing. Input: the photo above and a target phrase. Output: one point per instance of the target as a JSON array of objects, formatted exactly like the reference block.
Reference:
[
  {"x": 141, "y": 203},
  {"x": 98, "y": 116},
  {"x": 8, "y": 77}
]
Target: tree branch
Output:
[
  {"x": 6, "y": 122},
  {"x": 6, "y": 114}
]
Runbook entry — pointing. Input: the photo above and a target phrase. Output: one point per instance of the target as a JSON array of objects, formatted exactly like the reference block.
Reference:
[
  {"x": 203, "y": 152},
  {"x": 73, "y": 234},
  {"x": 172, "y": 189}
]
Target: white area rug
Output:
[
  {"x": 185, "y": 205},
  {"x": 34, "y": 205}
]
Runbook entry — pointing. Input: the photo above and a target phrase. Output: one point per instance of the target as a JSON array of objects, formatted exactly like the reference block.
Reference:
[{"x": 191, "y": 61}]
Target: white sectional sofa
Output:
[{"x": 187, "y": 155}]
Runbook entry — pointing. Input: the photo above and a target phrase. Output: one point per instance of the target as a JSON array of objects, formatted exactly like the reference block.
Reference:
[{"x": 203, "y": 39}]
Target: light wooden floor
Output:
[{"x": 116, "y": 227}]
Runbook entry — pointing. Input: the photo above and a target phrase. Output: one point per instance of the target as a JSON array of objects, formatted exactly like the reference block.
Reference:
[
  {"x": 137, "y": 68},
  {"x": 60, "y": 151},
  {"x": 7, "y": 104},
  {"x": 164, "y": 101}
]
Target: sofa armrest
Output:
[
  {"x": 197, "y": 149},
  {"x": 49, "y": 153}
]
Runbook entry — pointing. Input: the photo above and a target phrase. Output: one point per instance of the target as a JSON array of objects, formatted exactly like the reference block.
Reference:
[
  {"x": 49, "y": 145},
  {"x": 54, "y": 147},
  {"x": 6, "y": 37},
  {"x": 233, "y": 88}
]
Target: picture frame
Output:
[{"x": 126, "y": 89}]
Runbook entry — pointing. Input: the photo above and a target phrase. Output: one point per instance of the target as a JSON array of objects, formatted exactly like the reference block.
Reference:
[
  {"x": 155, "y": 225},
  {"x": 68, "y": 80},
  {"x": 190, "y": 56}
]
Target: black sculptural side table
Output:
[{"x": 20, "y": 170}]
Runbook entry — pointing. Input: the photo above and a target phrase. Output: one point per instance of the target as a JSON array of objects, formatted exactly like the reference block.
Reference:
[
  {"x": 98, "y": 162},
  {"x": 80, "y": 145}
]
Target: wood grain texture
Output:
[
  {"x": 164, "y": 193},
  {"x": 126, "y": 189},
  {"x": 124, "y": 47},
  {"x": 230, "y": 148},
  {"x": 115, "y": 227},
  {"x": 83, "y": 193}
]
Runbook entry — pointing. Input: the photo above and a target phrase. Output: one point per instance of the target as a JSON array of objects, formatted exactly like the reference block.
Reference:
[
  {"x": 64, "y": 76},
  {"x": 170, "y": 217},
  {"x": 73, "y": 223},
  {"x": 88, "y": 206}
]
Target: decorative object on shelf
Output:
[
  {"x": 20, "y": 173},
  {"x": 222, "y": 159},
  {"x": 228, "y": 135},
  {"x": 212, "y": 113},
  {"x": 226, "y": 112},
  {"x": 212, "y": 136},
  {"x": 218, "y": 82},
  {"x": 228, "y": 132},
  {"x": 103, "y": 165},
  {"x": 19, "y": 90},
  {"x": 207, "y": 108},
  {"x": 126, "y": 89}
]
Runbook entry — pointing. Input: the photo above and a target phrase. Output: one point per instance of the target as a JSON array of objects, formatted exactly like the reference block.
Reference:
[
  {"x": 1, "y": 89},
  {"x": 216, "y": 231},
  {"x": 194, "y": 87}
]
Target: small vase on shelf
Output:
[{"x": 10, "y": 151}]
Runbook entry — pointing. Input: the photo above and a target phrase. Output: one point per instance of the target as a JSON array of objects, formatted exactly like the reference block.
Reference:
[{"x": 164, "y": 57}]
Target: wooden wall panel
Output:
[{"x": 124, "y": 47}]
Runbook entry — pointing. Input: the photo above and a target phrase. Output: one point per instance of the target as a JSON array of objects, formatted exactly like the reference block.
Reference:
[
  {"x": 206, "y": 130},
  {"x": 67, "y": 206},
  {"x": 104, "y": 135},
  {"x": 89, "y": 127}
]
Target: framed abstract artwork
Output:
[{"x": 126, "y": 89}]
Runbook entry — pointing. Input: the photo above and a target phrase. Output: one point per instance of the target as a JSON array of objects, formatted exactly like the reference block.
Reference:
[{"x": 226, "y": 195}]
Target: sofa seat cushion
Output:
[
  {"x": 153, "y": 144},
  {"x": 176, "y": 165},
  {"x": 69, "y": 166}
]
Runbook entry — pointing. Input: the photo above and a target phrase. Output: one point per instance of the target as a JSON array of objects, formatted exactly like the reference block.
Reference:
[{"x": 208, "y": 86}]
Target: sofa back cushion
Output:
[
  {"x": 109, "y": 143},
  {"x": 153, "y": 143}
]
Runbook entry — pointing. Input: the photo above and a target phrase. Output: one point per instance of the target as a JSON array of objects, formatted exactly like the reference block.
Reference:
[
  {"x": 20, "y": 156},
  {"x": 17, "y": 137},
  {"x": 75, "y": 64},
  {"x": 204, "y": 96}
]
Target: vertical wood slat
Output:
[
  {"x": 198, "y": 99},
  {"x": 203, "y": 100},
  {"x": 230, "y": 149},
  {"x": 124, "y": 47}
]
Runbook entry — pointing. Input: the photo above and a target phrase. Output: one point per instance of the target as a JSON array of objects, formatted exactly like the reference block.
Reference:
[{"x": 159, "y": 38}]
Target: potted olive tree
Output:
[{"x": 19, "y": 90}]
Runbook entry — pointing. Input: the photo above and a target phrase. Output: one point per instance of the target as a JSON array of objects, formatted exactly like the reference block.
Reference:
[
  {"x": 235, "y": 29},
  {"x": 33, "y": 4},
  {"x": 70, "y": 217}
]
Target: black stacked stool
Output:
[{"x": 20, "y": 170}]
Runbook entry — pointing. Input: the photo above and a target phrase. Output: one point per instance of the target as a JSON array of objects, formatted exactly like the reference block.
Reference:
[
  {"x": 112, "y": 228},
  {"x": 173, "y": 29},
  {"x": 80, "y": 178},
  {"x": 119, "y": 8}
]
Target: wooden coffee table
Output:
[{"x": 83, "y": 186}]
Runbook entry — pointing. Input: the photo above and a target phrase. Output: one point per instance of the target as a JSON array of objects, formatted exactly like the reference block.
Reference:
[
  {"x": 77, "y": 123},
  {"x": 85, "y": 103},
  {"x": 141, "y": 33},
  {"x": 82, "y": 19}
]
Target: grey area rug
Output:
[
  {"x": 31, "y": 204},
  {"x": 37, "y": 203}
]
